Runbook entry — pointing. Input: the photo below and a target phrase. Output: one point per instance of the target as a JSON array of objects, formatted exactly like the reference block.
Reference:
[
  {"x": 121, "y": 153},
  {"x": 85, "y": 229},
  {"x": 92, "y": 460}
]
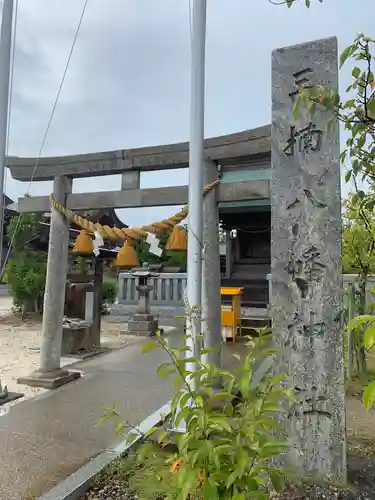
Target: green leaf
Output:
[
  {"x": 276, "y": 443},
  {"x": 207, "y": 350},
  {"x": 360, "y": 321},
  {"x": 369, "y": 337},
  {"x": 222, "y": 395},
  {"x": 119, "y": 429},
  {"x": 148, "y": 347},
  {"x": 162, "y": 436},
  {"x": 277, "y": 480},
  {"x": 175, "y": 401},
  {"x": 356, "y": 72},
  {"x": 190, "y": 359},
  {"x": 221, "y": 422},
  {"x": 277, "y": 379},
  {"x": 369, "y": 395},
  {"x": 210, "y": 490},
  {"x": 361, "y": 141},
  {"x": 239, "y": 496},
  {"x": 348, "y": 175},
  {"x": 186, "y": 398},
  {"x": 150, "y": 431},
  {"x": 165, "y": 369},
  {"x": 224, "y": 449},
  {"x": 350, "y": 103},
  {"x": 189, "y": 480},
  {"x": 268, "y": 422},
  {"x": 231, "y": 479},
  {"x": 371, "y": 108},
  {"x": 257, "y": 495},
  {"x": 346, "y": 54}
]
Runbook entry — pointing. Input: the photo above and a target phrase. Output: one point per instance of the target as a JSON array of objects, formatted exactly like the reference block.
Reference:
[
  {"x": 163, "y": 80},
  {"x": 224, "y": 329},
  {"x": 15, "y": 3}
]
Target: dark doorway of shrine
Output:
[{"x": 247, "y": 258}]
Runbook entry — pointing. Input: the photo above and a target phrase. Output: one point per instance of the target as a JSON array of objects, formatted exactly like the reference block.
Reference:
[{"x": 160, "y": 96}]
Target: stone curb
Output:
[{"x": 78, "y": 483}]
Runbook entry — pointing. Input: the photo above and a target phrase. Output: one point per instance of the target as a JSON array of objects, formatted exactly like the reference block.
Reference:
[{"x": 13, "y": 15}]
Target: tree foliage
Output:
[
  {"x": 26, "y": 269},
  {"x": 228, "y": 448},
  {"x": 356, "y": 111},
  {"x": 358, "y": 239},
  {"x": 168, "y": 258}
]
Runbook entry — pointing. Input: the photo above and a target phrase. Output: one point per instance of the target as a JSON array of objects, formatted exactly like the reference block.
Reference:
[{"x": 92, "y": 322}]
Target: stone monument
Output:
[
  {"x": 306, "y": 301},
  {"x": 143, "y": 322}
]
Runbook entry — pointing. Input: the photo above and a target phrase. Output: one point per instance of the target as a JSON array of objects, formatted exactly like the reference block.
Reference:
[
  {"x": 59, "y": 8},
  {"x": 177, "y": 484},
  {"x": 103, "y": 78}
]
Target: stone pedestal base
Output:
[
  {"x": 12, "y": 396},
  {"x": 49, "y": 380},
  {"x": 143, "y": 325},
  {"x": 88, "y": 353}
]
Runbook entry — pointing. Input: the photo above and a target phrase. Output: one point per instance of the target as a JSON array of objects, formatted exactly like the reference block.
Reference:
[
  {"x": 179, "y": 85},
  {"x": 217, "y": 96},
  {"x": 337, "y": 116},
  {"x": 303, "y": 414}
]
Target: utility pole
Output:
[
  {"x": 5, "y": 62},
  {"x": 196, "y": 161}
]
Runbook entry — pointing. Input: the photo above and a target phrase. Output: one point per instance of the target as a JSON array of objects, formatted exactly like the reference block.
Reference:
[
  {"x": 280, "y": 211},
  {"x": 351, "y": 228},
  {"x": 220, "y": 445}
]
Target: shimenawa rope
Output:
[{"x": 126, "y": 233}]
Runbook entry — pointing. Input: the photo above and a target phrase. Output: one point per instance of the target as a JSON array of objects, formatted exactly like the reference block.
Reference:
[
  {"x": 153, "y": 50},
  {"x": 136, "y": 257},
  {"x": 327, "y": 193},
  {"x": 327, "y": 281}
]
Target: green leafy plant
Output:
[
  {"x": 169, "y": 258},
  {"x": 82, "y": 264},
  {"x": 357, "y": 113},
  {"x": 109, "y": 292},
  {"x": 367, "y": 323},
  {"x": 25, "y": 272},
  {"x": 230, "y": 442},
  {"x": 358, "y": 256}
]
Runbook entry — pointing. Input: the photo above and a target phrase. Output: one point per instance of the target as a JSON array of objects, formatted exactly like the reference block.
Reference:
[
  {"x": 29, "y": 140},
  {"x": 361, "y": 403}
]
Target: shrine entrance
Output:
[{"x": 247, "y": 258}]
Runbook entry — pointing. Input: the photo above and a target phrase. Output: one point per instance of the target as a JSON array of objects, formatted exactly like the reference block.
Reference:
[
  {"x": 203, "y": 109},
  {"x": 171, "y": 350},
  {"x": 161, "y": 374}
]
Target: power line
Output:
[
  {"x": 47, "y": 128},
  {"x": 10, "y": 92}
]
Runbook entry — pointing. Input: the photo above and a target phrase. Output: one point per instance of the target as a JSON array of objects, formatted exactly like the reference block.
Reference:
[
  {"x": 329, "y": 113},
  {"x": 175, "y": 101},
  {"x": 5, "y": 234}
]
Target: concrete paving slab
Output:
[
  {"x": 53, "y": 435},
  {"x": 45, "y": 439},
  {"x": 31, "y": 465}
]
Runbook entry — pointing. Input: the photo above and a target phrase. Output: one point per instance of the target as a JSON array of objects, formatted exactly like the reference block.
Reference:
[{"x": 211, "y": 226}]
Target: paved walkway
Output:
[{"x": 45, "y": 439}]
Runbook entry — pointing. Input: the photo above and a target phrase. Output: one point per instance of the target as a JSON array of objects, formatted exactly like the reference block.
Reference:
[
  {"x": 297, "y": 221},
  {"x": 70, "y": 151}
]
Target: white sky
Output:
[{"x": 128, "y": 83}]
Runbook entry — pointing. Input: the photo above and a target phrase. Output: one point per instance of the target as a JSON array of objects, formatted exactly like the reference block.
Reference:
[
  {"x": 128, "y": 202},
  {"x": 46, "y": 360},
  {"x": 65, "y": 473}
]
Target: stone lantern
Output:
[{"x": 143, "y": 322}]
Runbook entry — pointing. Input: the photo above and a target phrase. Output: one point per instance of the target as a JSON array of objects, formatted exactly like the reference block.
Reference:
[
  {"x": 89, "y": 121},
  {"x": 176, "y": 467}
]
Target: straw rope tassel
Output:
[{"x": 132, "y": 233}]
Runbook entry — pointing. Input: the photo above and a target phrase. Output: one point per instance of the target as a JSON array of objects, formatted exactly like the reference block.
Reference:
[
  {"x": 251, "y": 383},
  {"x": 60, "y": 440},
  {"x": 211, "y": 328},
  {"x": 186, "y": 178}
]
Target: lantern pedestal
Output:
[{"x": 143, "y": 323}]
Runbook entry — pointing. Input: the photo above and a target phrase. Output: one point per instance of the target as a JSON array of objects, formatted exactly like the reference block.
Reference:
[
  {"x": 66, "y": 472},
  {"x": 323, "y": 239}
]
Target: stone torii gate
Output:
[
  {"x": 306, "y": 303},
  {"x": 221, "y": 153}
]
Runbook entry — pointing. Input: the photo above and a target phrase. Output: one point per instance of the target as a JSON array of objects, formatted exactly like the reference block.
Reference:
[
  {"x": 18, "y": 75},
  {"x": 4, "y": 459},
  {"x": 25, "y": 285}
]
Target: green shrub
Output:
[
  {"x": 25, "y": 272},
  {"x": 229, "y": 445},
  {"x": 26, "y": 276},
  {"x": 109, "y": 292}
]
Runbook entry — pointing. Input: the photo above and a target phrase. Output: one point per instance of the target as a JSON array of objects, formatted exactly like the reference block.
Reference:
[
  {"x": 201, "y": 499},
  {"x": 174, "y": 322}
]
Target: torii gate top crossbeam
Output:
[{"x": 224, "y": 149}]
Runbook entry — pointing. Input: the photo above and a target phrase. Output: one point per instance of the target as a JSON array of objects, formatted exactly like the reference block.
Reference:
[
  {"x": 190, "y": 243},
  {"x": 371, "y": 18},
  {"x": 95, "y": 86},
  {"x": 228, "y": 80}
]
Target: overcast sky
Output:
[{"x": 128, "y": 82}]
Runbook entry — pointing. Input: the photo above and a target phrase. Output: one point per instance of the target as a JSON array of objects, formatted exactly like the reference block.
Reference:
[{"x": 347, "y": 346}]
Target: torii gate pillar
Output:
[
  {"x": 211, "y": 300},
  {"x": 50, "y": 375}
]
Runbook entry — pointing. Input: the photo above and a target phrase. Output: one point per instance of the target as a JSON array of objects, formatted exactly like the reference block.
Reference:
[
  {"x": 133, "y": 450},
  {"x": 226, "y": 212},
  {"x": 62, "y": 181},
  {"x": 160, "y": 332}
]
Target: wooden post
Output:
[{"x": 50, "y": 375}]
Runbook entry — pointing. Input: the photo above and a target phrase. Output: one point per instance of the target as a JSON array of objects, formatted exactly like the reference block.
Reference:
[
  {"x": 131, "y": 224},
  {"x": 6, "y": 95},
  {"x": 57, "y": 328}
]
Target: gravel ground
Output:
[
  {"x": 19, "y": 340},
  {"x": 116, "y": 490},
  {"x": 361, "y": 475}
]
